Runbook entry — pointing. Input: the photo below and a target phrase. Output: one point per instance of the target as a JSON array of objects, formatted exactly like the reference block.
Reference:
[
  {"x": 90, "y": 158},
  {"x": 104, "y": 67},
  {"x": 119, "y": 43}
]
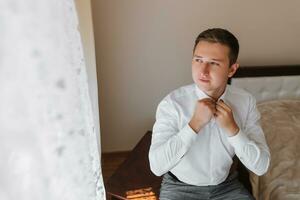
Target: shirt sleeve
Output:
[
  {"x": 169, "y": 144},
  {"x": 250, "y": 145}
]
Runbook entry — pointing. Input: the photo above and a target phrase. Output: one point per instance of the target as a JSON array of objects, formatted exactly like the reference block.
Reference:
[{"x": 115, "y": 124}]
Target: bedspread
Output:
[{"x": 280, "y": 121}]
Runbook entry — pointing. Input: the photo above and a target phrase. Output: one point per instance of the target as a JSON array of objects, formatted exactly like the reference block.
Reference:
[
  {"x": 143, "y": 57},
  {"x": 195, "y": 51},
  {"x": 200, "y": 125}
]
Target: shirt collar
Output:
[{"x": 201, "y": 94}]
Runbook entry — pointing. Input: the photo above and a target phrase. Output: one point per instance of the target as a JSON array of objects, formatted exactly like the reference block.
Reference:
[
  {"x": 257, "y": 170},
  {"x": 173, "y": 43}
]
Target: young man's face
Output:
[{"x": 210, "y": 68}]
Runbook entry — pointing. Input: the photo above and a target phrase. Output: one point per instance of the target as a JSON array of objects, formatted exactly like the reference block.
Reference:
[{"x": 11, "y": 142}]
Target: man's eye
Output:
[
  {"x": 214, "y": 63},
  {"x": 198, "y": 60}
]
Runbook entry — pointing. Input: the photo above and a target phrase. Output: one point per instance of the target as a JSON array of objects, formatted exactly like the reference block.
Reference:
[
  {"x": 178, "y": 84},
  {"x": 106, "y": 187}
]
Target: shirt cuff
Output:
[
  {"x": 187, "y": 135},
  {"x": 239, "y": 141}
]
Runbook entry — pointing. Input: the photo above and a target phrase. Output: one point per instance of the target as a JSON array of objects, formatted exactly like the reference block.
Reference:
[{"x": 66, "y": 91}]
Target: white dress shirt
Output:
[{"x": 205, "y": 158}]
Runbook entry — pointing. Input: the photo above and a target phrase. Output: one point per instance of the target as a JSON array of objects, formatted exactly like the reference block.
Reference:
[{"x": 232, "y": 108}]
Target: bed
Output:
[{"x": 277, "y": 91}]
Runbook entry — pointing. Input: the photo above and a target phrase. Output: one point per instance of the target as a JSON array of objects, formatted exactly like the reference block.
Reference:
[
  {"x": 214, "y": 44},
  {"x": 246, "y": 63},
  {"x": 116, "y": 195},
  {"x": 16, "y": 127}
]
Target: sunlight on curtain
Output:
[{"x": 48, "y": 144}]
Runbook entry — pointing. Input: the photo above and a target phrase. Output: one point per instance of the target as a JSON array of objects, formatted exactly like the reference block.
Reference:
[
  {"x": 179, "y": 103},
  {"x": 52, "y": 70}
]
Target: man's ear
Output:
[{"x": 232, "y": 69}]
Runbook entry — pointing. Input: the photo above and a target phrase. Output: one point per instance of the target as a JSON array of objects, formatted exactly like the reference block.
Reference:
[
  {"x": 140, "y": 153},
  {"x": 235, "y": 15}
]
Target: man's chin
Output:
[{"x": 204, "y": 88}]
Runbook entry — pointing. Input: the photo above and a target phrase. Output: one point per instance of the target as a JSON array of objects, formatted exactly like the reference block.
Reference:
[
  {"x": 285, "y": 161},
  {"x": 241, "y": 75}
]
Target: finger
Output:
[
  {"x": 205, "y": 99},
  {"x": 208, "y": 100},
  {"x": 218, "y": 113},
  {"x": 221, "y": 109},
  {"x": 213, "y": 108},
  {"x": 223, "y": 105}
]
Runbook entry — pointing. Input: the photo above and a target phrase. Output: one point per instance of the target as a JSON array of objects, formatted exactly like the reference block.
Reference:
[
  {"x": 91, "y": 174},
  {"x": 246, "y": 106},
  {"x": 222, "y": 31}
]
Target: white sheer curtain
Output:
[{"x": 48, "y": 143}]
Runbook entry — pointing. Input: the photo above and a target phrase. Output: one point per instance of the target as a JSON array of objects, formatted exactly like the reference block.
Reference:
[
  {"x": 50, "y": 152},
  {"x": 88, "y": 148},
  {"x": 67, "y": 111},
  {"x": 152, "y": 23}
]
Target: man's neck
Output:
[{"x": 216, "y": 94}]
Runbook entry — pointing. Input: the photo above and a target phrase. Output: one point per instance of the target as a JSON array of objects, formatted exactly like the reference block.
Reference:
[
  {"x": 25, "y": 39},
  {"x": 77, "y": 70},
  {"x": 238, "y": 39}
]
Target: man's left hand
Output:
[{"x": 224, "y": 118}]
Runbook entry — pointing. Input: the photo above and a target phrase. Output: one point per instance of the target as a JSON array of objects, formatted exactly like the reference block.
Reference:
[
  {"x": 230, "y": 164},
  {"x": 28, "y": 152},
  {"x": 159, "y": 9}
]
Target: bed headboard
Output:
[{"x": 269, "y": 82}]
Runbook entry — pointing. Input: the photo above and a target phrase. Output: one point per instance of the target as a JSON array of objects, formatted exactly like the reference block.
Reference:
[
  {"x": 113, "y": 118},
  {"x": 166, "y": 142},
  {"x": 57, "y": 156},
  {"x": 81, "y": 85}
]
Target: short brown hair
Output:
[{"x": 222, "y": 36}]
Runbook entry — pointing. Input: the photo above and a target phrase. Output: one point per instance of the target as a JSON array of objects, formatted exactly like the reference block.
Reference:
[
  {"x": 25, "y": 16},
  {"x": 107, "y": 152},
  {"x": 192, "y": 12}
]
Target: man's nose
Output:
[{"x": 204, "y": 68}]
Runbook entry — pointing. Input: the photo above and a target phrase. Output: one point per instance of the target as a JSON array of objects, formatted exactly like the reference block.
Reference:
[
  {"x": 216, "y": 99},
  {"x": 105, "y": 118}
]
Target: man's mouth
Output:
[{"x": 204, "y": 80}]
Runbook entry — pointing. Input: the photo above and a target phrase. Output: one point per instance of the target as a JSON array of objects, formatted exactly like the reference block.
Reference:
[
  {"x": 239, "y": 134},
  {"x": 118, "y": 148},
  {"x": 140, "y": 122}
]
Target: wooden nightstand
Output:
[{"x": 134, "y": 172}]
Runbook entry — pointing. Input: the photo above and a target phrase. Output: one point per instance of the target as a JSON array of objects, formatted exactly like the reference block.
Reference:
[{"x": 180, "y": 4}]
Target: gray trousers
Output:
[{"x": 231, "y": 189}]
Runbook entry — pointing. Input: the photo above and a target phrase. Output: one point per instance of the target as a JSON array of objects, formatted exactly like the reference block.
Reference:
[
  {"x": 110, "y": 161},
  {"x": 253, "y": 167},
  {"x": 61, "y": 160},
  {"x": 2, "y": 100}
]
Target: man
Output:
[{"x": 199, "y": 128}]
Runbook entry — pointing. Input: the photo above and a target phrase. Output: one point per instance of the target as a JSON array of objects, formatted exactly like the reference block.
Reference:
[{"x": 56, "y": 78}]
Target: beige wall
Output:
[
  {"x": 87, "y": 37},
  {"x": 143, "y": 51}
]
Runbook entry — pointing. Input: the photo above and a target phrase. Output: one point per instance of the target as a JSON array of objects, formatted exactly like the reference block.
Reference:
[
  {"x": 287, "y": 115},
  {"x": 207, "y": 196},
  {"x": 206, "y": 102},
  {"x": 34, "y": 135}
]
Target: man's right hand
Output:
[{"x": 204, "y": 111}]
